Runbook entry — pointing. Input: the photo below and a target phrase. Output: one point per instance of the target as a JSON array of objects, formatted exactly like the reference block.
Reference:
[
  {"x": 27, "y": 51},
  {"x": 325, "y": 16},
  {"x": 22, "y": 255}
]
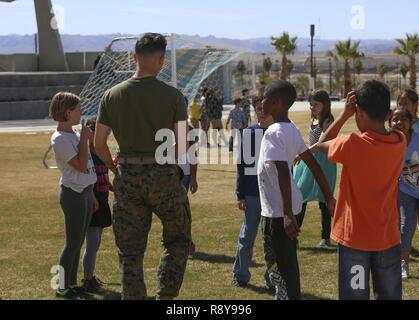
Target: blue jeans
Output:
[
  {"x": 408, "y": 219},
  {"x": 248, "y": 233},
  {"x": 186, "y": 181},
  {"x": 355, "y": 267}
]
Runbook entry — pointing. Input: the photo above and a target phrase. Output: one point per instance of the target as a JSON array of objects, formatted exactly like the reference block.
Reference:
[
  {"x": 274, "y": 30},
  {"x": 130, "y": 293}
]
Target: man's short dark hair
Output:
[
  {"x": 375, "y": 99},
  {"x": 283, "y": 90},
  {"x": 151, "y": 43}
]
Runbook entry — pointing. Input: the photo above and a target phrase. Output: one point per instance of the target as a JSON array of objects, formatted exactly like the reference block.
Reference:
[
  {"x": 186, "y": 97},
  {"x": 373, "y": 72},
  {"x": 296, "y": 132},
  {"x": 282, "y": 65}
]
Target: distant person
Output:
[
  {"x": 408, "y": 186},
  {"x": 409, "y": 100},
  {"x": 215, "y": 107},
  {"x": 246, "y": 105},
  {"x": 281, "y": 201},
  {"x": 101, "y": 219},
  {"x": 78, "y": 178},
  {"x": 262, "y": 88},
  {"x": 248, "y": 200},
  {"x": 367, "y": 222},
  {"x": 321, "y": 119},
  {"x": 205, "y": 116},
  {"x": 135, "y": 111},
  {"x": 195, "y": 112},
  {"x": 238, "y": 120}
]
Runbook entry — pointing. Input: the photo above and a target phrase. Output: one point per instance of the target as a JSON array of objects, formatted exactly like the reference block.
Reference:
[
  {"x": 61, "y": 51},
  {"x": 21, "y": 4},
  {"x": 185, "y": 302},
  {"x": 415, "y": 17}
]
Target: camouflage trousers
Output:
[{"x": 139, "y": 191}]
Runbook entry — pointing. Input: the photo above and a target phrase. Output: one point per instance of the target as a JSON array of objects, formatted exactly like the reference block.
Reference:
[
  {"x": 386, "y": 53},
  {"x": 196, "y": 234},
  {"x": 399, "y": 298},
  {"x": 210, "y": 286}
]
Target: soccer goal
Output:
[{"x": 190, "y": 64}]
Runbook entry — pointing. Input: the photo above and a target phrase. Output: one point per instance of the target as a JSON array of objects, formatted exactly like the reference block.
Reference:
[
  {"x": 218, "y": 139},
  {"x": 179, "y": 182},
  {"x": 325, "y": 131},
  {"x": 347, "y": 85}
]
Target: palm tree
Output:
[
  {"x": 410, "y": 48},
  {"x": 348, "y": 51},
  {"x": 336, "y": 74},
  {"x": 404, "y": 69},
  {"x": 267, "y": 65},
  {"x": 285, "y": 45},
  {"x": 241, "y": 69},
  {"x": 382, "y": 70},
  {"x": 359, "y": 67}
]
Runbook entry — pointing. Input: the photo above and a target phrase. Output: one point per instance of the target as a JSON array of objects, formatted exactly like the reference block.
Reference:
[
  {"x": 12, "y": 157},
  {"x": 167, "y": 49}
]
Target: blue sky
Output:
[{"x": 240, "y": 19}]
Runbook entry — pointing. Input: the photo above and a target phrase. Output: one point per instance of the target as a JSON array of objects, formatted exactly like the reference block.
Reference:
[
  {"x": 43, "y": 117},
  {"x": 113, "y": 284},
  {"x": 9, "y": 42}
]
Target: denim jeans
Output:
[
  {"x": 248, "y": 233},
  {"x": 186, "y": 181},
  {"x": 355, "y": 267},
  {"x": 408, "y": 219}
]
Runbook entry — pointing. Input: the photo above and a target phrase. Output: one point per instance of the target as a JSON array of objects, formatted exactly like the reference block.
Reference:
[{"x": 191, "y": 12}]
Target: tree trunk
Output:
[
  {"x": 284, "y": 68},
  {"x": 347, "y": 78},
  {"x": 413, "y": 72}
]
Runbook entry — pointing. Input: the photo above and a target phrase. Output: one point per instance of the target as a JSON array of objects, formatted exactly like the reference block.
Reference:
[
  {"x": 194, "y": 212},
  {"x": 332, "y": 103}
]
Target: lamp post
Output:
[
  {"x": 312, "y": 76},
  {"x": 330, "y": 76}
]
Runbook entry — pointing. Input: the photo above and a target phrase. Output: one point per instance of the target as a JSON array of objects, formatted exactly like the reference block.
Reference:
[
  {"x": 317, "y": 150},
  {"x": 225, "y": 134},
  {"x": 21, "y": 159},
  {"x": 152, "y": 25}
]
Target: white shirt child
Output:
[
  {"x": 66, "y": 147},
  {"x": 281, "y": 142}
]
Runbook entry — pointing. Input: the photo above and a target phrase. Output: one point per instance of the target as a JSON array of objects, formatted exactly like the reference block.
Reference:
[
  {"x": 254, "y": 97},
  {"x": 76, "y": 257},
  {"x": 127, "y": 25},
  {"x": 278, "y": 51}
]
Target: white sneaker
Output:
[
  {"x": 405, "y": 270},
  {"x": 324, "y": 243}
]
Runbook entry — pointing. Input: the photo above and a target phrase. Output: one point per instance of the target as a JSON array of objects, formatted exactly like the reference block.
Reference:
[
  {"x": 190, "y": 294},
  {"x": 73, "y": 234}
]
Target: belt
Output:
[{"x": 138, "y": 160}]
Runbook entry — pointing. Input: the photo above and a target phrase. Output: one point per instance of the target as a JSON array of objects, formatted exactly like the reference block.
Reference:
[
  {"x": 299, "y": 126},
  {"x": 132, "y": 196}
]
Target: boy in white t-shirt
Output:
[{"x": 280, "y": 197}]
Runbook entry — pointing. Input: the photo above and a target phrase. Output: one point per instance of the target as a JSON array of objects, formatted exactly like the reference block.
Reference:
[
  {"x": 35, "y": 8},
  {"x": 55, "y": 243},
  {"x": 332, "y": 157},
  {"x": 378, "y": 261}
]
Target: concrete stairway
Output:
[{"x": 25, "y": 96}]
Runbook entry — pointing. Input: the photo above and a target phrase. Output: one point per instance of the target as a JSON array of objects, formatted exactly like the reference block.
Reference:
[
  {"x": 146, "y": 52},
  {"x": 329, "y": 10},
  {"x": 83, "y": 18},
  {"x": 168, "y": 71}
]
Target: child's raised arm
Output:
[
  {"x": 312, "y": 164},
  {"x": 334, "y": 129},
  {"x": 79, "y": 162}
]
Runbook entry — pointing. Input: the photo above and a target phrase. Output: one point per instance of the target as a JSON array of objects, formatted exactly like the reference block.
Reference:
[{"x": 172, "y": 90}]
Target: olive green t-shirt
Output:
[{"x": 137, "y": 109}]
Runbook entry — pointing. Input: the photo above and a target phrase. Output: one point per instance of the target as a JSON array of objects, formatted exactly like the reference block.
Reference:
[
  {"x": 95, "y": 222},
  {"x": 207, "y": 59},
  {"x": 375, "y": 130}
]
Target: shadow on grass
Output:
[
  {"x": 330, "y": 250},
  {"x": 260, "y": 290},
  {"x": 115, "y": 295},
  {"x": 223, "y": 171},
  {"x": 220, "y": 258},
  {"x": 414, "y": 253},
  {"x": 307, "y": 296}
]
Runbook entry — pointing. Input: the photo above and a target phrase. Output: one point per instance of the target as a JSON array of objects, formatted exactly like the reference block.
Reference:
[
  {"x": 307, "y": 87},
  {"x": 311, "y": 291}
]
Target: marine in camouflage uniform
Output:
[
  {"x": 135, "y": 111},
  {"x": 141, "y": 190}
]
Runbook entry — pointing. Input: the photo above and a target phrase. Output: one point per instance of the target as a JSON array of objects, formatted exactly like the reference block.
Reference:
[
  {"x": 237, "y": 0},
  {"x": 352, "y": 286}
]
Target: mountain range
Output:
[{"x": 26, "y": 43}]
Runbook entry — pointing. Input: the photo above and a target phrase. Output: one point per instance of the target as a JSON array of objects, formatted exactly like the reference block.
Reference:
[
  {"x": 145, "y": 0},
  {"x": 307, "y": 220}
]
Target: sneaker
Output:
[
  {"x": 239, "y": 284},
  {"x": 67, "y": 294},
  {"x": 90, "y": 286},
  {"x": 325, "y": 243},
  {"x": 192, "y": 250},
  {"x": 98, "y": 283},
  {"x": 270, "y": 289},
  {"x": 405, "y": 270},
  {"x": 281, "y": 293}
]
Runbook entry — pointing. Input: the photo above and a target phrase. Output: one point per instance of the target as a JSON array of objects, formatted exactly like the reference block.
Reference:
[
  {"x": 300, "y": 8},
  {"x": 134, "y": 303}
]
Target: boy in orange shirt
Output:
[{"x": 366, "y": 223}]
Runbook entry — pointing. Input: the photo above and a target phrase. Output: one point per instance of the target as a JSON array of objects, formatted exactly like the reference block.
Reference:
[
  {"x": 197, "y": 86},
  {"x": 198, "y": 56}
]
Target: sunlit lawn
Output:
[{"x": 31, "y": 234}]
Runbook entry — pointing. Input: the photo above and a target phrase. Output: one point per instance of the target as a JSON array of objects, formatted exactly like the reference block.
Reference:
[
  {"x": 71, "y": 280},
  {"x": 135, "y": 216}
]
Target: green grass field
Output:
[{"x": 32, "y": 234}]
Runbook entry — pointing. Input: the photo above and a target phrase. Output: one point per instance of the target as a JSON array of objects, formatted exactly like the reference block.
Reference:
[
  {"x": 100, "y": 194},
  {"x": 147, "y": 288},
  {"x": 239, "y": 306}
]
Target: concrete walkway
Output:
[{"x": 46, "y": 125}]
